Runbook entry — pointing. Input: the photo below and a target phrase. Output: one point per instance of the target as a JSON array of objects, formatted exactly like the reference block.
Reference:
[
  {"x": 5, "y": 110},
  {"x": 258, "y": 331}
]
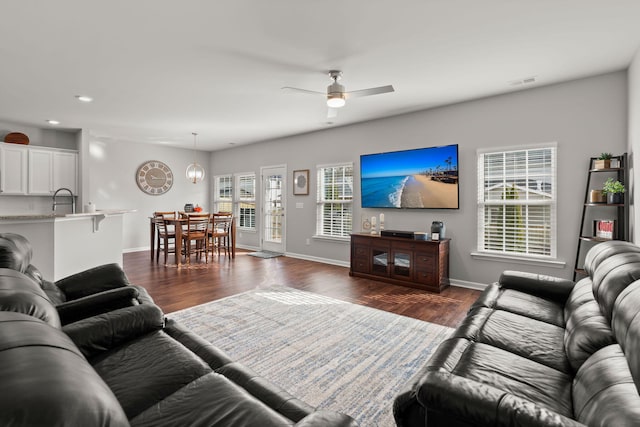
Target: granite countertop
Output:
[{"x": 105, "y": 212}]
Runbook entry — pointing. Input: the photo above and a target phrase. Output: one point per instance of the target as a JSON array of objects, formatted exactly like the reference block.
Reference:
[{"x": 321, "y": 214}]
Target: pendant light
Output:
[{"x": 195, "y": 172}]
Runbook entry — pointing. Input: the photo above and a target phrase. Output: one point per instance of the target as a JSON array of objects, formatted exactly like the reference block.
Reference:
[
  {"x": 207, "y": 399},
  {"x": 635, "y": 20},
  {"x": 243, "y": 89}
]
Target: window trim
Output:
[
  {"x": 320, "y": 203},
  {"x": 216, "y": 191},
  {"x": 237, "y": 200},
  {"x": 524, "y": 258}
]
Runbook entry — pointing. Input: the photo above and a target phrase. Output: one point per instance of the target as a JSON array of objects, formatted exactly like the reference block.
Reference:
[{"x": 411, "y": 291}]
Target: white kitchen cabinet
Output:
[
  {"x": 52, "y": 169},
  {"x": 13, "y": 169},
  {"x": 37, "y": 171}
]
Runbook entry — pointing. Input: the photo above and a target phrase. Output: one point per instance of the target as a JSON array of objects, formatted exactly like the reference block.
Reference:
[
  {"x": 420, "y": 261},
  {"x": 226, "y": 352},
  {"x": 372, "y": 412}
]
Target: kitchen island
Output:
[{"x": 67, "y": 244}]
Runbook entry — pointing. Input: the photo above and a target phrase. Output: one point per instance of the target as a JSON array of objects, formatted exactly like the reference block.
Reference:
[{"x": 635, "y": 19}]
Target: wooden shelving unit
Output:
[{"x": 619, "y": 212}]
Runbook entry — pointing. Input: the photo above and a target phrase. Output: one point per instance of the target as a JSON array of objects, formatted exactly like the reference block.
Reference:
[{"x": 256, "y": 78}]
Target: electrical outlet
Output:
[{"x": 308, "y": 242}]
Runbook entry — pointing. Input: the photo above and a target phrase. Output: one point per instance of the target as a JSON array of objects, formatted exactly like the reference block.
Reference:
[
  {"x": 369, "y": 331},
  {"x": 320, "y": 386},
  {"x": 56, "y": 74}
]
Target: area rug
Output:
[
  {"x": 265, "y": 254},
  {"x": 329, "y": 353}
]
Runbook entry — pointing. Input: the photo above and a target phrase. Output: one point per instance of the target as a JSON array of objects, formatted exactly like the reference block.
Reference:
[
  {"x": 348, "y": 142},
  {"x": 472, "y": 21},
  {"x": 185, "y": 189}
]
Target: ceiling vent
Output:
[{"x": 525, "y": 81}]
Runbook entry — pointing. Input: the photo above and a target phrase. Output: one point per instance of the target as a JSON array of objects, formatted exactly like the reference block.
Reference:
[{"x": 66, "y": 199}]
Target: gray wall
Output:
[
  {"x": 634, "y": 143},
  {"x": 585, "y": 117}
]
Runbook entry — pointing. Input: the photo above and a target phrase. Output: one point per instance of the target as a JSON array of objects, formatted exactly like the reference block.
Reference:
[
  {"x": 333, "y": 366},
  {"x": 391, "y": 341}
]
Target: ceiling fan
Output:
[{"x": 337, "y": 96}]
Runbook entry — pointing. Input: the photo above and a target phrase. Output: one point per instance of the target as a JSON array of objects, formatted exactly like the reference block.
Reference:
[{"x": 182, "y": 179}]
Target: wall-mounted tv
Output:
[{"x": 424, "y": 178}]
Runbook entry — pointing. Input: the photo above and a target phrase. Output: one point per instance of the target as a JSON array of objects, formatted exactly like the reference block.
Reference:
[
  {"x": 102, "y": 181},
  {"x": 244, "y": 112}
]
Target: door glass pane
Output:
[{"x": 273, "y": 209}]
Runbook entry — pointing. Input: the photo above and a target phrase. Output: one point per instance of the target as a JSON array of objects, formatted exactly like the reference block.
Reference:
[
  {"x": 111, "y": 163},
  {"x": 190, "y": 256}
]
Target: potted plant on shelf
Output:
[
  {"x": 603, "y": 162},
  {"x": 614, "y": 190}
]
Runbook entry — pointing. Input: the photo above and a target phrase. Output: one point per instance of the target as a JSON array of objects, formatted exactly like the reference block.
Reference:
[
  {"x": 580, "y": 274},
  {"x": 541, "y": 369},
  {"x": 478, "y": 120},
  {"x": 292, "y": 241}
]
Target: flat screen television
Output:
[{"x": 424, "y": 178}]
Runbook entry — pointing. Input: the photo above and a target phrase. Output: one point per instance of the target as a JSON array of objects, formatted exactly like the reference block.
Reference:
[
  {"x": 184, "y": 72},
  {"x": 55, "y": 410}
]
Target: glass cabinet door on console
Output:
[
  {"x": 380, "y": 261},
  {"x": 401, "y": 264}
]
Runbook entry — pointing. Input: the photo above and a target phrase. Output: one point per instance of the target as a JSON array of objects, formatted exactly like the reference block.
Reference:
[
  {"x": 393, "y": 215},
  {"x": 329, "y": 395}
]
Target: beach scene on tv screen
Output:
[{"x": 421, "y": 178}]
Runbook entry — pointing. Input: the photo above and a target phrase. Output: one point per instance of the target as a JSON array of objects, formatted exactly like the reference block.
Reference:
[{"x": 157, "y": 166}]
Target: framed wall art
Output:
[{"x": 301, "y": 182}]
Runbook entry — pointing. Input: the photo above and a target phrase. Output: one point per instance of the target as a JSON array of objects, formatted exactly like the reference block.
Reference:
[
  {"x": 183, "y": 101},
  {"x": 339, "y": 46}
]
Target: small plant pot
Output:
[
  {"x": 615, "y": 198},
  {"x": 602, "y": 164}
]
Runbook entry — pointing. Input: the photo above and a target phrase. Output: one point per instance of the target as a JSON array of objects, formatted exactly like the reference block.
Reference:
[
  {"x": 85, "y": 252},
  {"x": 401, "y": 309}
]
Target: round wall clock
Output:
[{"x": 154, "y": 177}]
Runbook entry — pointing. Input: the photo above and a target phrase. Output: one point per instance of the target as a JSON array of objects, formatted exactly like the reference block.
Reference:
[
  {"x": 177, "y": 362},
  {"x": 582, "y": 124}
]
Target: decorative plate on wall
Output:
[{"x": 154, "y": 177}]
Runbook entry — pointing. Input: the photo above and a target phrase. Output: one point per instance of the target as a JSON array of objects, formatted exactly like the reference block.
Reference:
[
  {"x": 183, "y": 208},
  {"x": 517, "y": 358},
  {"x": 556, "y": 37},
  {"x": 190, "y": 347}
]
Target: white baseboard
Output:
[
  {"x": 128, "y": 250},
  {"x": 469, "y": 285},
  {"x": 318, "y": 259}
]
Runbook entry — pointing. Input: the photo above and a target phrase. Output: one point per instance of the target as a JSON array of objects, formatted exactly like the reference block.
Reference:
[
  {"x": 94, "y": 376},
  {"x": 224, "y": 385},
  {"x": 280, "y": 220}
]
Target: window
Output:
[
  {"x": 335, "y": 195},
  {"x": 223, "y": 193},
  {"x": 517, "y": 201},
  {"x": 246, "y": 201}
]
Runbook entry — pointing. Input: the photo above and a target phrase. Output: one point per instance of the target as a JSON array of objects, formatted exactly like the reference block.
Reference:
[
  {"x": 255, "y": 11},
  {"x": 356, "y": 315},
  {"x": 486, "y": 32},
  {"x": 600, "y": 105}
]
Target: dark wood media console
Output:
[{"x": 422, "y": 264}]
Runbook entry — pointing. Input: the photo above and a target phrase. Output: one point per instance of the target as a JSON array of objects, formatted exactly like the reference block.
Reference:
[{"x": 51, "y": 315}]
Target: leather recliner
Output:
[
  {"x": 84, "y": 294},
  {"x": 540, "y": 351}
]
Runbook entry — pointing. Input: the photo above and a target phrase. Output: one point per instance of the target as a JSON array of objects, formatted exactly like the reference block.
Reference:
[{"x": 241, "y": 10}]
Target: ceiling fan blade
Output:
[
  {"x": 332, "y": 113},
  {"x": 368, "y": 92},
  {"x": 295, "y": 89}
]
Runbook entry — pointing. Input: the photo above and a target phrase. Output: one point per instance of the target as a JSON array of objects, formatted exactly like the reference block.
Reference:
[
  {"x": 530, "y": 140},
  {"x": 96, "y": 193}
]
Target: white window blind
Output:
[
  {"x": 246, "y": 201},
  {"x": 334, "y": 198},
  {"x": 517, "y": 201},
  {"x": 223, "y": 193}
]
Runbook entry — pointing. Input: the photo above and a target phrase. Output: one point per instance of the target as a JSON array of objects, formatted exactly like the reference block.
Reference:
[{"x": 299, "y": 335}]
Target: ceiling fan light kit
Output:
[{"x": 336, "y": 94}]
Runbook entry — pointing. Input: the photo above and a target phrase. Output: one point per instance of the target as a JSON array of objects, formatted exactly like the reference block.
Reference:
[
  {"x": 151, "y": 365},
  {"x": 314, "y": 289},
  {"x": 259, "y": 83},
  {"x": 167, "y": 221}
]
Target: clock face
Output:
[{"x": 154, "y": 177}]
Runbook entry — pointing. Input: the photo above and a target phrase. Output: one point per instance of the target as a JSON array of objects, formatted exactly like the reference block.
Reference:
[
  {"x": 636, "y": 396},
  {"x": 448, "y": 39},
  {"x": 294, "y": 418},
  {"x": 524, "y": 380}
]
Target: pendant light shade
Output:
[{"x": 195, "y": 172}]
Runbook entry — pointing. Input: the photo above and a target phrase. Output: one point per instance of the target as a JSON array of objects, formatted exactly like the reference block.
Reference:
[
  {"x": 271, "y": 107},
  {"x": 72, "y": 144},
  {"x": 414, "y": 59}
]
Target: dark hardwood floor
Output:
[{"x": 175, "y": 288}]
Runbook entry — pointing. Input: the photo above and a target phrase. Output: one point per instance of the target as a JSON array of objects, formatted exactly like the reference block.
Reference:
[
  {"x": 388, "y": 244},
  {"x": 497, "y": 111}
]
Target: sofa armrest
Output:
[
  {"x": 326, "y": 419},
  {"x": 548, "y": 287},
  {"x": 100, "y": 333},
  {"x": 93, "y": 305},
  {"x": 450, "y": 397},
  {"x": 93, "y": 280}
]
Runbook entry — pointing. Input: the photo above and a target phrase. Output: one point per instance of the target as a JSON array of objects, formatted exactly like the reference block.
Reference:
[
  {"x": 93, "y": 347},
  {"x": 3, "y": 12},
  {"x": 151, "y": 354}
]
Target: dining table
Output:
[{"x": 178, "y": 224}]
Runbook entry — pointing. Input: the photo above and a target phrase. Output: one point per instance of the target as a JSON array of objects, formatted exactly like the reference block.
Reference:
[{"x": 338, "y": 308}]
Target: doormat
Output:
[{"x": 265, "y": 254}]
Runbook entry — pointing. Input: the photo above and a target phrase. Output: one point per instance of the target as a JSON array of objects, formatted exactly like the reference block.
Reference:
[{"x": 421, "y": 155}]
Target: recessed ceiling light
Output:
[
  {"x": 53, "y": 122},
  {"x": 84, "y": 98}
]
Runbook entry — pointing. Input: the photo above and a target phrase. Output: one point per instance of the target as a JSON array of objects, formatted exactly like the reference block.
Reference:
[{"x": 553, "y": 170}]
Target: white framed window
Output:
[
  {"x": 335, "y": 200},
  {"x": 517, "y": 201},
  {"x": 223, "y": 193},
  {"x": 246, "y": 201}
]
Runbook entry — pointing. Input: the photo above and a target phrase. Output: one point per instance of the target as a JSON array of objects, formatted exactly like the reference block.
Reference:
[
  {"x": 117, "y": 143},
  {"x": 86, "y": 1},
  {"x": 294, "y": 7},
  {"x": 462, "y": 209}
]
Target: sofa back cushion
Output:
[
  {"x": 626, "y": 327},
  {"x": 19, "y": 293},
  {"x": 604, "y": 250},
  {"x": 586, "y": 329},
  {"x": 612, "y": 276},
  {"x": 15, "y": 252},
  {"x": 604, "y": 393},
  {"x": 47, "y": 381}
]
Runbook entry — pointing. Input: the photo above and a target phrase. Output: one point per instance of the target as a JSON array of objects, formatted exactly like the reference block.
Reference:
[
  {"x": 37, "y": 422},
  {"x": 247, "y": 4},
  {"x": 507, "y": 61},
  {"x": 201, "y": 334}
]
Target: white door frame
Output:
[{"x": 273, "y": 246}]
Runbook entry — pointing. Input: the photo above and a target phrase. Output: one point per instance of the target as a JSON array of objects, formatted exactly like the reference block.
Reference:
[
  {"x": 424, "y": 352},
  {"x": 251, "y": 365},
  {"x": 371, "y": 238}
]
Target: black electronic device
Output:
[{"x": 397, "y": 233}]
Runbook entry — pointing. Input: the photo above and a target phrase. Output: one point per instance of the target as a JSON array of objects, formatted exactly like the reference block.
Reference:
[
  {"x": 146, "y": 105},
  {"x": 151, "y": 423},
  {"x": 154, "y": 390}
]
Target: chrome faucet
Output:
[{"x": 72, "y": 203}]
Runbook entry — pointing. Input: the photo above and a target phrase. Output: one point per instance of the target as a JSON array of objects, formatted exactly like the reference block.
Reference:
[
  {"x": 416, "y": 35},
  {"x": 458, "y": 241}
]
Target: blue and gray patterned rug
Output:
[{"x": 329, "y": 353}]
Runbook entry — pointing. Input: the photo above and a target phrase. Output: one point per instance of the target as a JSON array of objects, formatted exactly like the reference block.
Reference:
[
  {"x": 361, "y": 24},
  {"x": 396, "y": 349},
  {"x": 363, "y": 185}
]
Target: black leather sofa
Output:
[
  {"x": 540, "y": 351},
  {"x": 126, "y": 365}
]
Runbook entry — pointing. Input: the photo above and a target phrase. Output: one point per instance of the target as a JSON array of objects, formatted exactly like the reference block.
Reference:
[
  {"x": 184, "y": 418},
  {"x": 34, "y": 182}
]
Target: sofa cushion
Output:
[
  {"x": 47, "y": 381},
  {"x": 518, "y": 302},
  {"x": 517, "y": 376},
  {"x": 146, "y": 370},
  {"x": 20, "y": 294},
  {"x": 208, "y": 401},
  {"x": 520, "y": 335}
]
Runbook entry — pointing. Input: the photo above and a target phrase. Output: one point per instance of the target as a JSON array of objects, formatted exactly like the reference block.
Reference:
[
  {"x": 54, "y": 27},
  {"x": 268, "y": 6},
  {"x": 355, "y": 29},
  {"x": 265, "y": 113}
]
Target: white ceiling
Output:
[{"x": 159, "y": 70}]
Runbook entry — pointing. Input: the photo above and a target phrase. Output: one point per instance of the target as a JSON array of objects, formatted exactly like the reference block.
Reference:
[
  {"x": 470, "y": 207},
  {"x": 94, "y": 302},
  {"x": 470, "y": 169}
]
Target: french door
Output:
[{"x": 273, "y": 208}]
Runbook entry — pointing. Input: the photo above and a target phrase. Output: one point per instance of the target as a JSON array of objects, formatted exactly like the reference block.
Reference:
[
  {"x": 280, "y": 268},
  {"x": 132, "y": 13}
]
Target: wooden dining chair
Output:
[
  {"x": 166, "y": 234},
  {"x": 220, "y": 231},
  {"x": 196, "y": 236}
]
